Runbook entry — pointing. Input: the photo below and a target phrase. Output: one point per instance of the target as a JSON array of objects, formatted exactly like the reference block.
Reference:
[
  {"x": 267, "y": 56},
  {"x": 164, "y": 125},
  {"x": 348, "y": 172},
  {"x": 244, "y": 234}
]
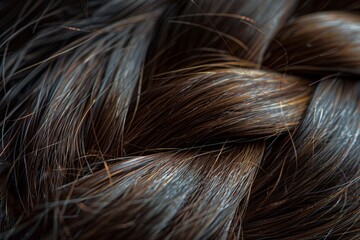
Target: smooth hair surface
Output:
[{"x": 169, "y": 119}]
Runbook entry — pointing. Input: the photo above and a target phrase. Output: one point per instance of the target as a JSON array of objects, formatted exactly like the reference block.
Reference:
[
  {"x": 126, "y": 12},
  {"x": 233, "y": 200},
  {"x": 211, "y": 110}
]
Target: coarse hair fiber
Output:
[{"x": 180, "y": 119}]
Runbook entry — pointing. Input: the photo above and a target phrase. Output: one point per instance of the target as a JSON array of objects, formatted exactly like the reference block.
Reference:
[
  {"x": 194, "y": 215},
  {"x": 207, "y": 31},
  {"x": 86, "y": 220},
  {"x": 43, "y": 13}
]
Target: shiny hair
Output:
[{"x": 169, "y": 119}]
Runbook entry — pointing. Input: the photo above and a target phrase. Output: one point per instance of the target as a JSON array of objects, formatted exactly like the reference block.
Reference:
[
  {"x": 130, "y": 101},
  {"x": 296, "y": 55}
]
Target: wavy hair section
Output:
[{"x": 319, "y": 42}]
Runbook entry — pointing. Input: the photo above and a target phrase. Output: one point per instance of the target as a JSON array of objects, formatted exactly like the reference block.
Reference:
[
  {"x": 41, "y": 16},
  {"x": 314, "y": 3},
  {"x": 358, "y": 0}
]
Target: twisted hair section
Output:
[{"x": 180, "y": 119}]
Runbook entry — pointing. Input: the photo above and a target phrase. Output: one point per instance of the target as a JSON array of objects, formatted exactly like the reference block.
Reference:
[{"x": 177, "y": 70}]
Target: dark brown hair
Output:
[{"x": 169, "y": 119}]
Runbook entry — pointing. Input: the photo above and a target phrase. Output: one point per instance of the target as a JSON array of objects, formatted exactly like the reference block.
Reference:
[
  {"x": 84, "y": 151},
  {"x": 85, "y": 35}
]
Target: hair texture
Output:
[{"x": 180, "y": 119}]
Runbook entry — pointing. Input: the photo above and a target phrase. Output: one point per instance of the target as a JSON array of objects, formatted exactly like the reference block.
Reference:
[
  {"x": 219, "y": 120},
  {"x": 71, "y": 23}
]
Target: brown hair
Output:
[{"x": 167, "y": 119}]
